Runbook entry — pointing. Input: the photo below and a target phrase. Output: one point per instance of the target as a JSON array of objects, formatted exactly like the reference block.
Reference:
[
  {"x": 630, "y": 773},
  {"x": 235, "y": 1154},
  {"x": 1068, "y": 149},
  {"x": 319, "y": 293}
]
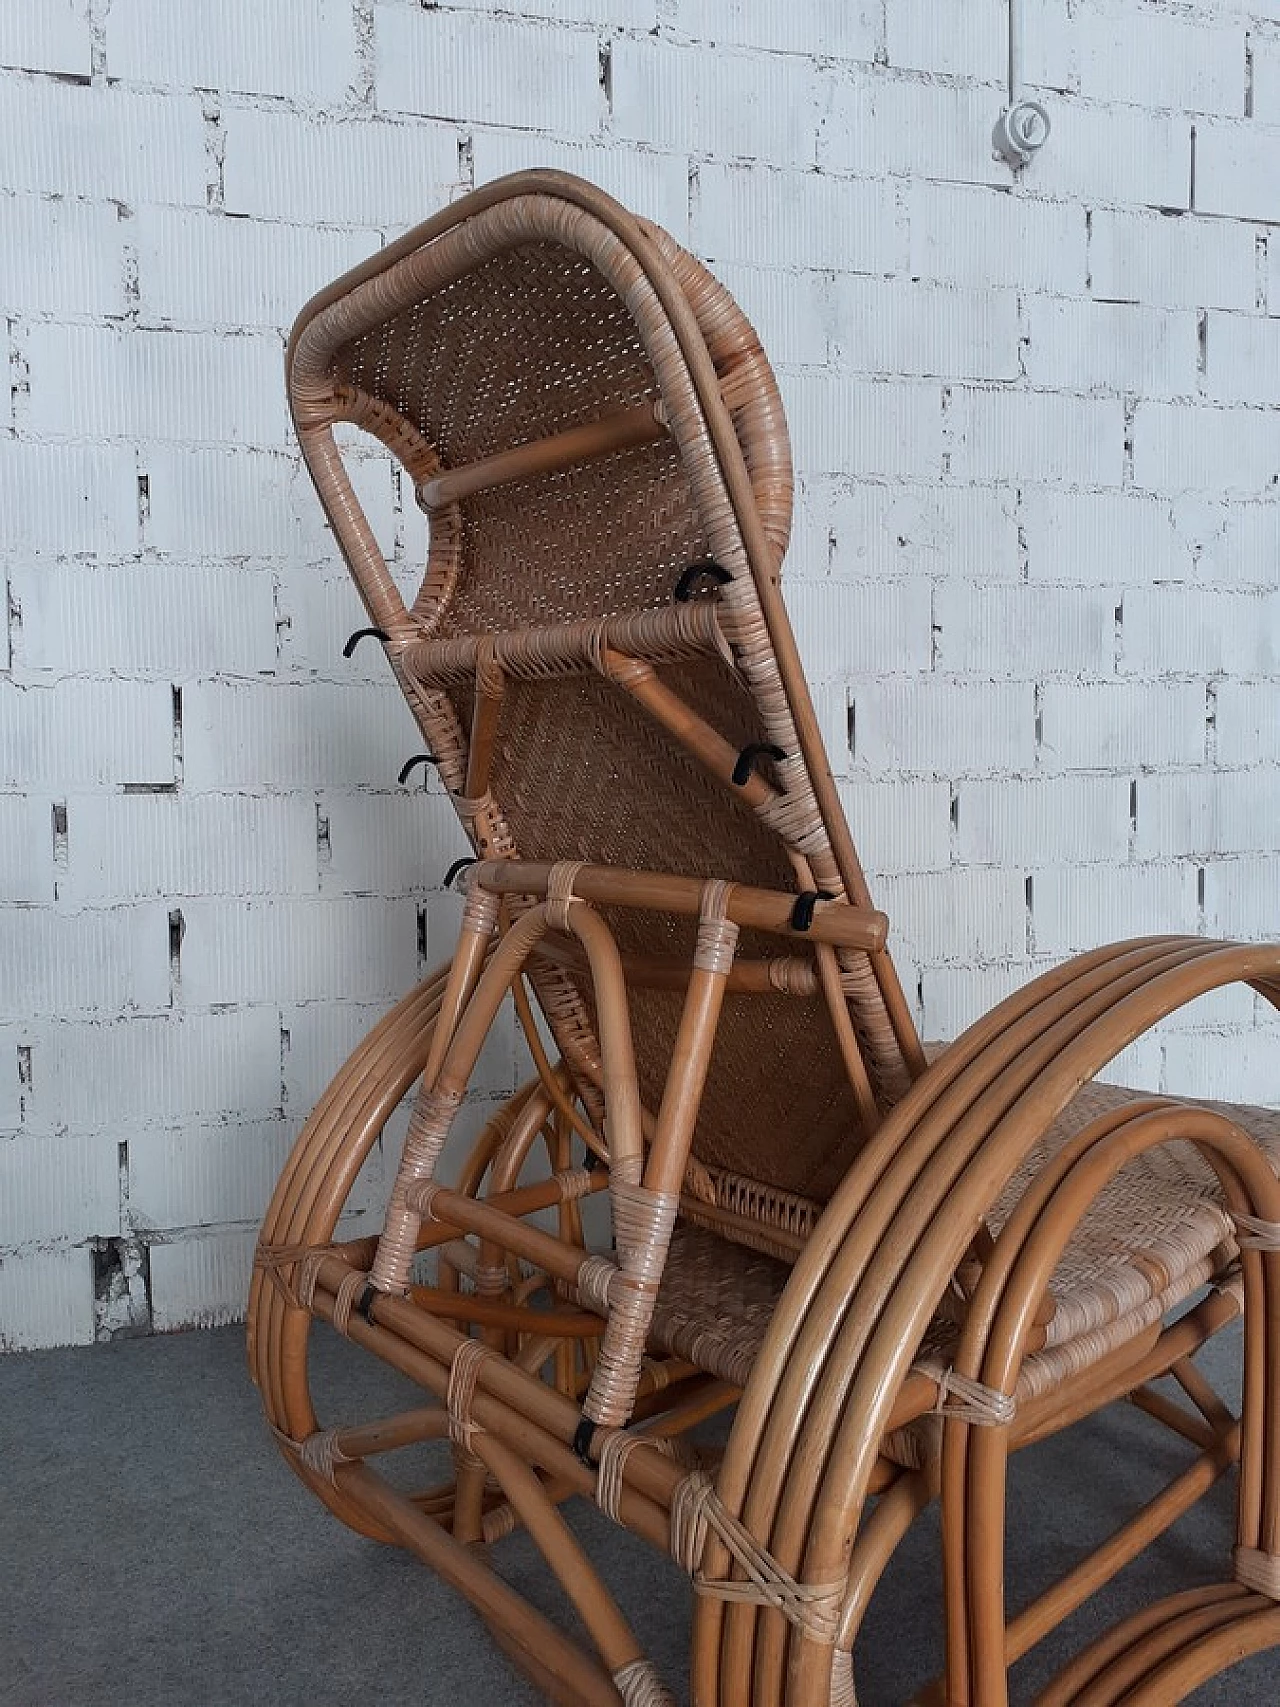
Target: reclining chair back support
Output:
[{"x": 598, "y": 657}]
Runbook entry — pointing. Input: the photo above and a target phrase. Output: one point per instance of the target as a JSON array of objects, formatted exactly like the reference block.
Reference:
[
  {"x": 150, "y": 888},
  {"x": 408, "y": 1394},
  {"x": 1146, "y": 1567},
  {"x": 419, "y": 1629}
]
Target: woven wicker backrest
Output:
[{"x": 570, "y": 618}]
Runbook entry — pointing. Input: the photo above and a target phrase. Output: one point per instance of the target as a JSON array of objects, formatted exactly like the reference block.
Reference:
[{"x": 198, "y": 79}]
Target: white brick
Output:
[
  {"x": 990, "y": 237},
  {"x": 1073, "y": 912},
  {"x": 966, "y": 40},
  {"x": 231, "y": 503},
  {"x": 140, "y": 384},
  {"x": 46, "y": 1299},
  {"x": 321, "y": 1036},
  {"x": 86, "y": 962},
  {"x": 717, "y": 101},
  {"x": 1245, "y": 551},
  {"x": 389, "y": 844},
  {"x": 318, "y": 1038},
  {"x": 1112, "y": 347},
  {"x": 1139, "y": 1067},
  {"x": 929, "y": 130},
  {"x": 1243, "y": 358},
  {"x": 768, "y": 218},
  {"x": 1180, "y": 449},
  {"x": 1154, "y": 60},
  {"x": 95, "y": 1077},
  {"x": 362, "y": 172},
  {"x": 957, "y": 996},
  {"x": 835, "y": 29},
  {"x": 943, "y": 728},
  {"x": 1176, "y": 630},
  {"x": 1247, "y": 717},
  {"x": 791, "y": 311},
  {"x": 1122, "y": 725},
  {"x": 899, "y": 826},
  {"x": 1001, "y": 435},
  {"x": 294, "y": 950},
  {"x": 60, "y": 257},
  {"x": 84, "y": 733},
  {"x": 301, "y": 48},
  {"x": 50, "y": 36},
  {"x": 106, "y": 143},
  {"x": 1180, "y": 262},
  {"x": 1116, "y": 154},
  {"x": 1232, "y": 1068},
  {"x": 956, "y": 915},
  {"x": 1023, "y": 822},
  {"x": 843, "y": 630},
  {"x": 1240, "y": 896},
  {"x": 889, "y": 327},
  {"x": 620, "y": 14},
  {"x": 1266, "y": 78},
  {"x": 318, "y": 613},
  {"x": 174, "y": 846},
  {"x": 204, "y": 268},
  {"x": 64, "y": 1185},
  {"x": 493, "y": 70},
  {"x": 199, "y": 1175},
  {"x": 1236, "y": 169},
  {"x": 842, "y": 426},
  {"x": 304, "y": 735},
  {"x": 201, "y": 1282},
  {"x": 895, "y": 530},
  {"x": 146, "y": 617},
  {"x": 645, "y": 181},
  {"x": 1106, "y": 537},
  {"x": 1209, "y": 813},
  {"x": 26, "y": 848},
  {"x": 1023, "y": 630},
  {"x": 67, "y": 498}
]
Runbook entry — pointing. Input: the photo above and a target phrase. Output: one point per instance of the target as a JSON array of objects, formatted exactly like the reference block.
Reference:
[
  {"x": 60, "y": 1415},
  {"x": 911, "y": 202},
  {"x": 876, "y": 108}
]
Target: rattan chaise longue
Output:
[{"x": 887, "y": 1272}]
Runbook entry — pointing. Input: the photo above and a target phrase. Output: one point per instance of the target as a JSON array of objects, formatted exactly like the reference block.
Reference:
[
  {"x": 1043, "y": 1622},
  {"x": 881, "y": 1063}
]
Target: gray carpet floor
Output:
[{"x": 155, "y": 1551}]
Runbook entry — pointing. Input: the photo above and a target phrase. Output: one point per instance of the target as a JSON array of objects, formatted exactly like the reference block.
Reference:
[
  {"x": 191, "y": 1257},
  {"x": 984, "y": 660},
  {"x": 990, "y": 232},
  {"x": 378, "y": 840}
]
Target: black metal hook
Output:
[
  {"x": 360, "y": 634},
  {"x": 582, "y": 1437},
  {"x": 802, "y": 912},
  {"x": 412, "y": 764},
  {"x": 748, "y": 756},
  {"x": 457, "y": 866},
  {"x": 690, "y": 577}
]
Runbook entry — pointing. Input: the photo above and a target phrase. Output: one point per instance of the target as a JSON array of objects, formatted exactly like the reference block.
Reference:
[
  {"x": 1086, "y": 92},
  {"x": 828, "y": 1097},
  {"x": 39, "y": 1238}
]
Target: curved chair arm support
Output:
[
  {"x": 994, "y": 1344},
  {"x": 842, "y": 1339}
]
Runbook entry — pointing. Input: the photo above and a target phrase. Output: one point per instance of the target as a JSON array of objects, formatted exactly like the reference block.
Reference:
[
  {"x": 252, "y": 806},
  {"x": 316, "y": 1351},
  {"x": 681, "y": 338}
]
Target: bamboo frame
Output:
[{"x": 534, "y": 1398}]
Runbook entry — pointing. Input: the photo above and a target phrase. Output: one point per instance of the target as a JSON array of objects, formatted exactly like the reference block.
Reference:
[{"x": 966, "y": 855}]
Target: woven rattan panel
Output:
[
  {"x": 530, "y": 342},
  {"x": 583, "y": 774}
]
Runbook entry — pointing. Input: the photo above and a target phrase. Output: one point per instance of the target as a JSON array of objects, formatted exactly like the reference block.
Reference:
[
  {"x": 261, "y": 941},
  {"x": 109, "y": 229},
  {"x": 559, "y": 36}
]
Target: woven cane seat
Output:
[{"x": 1155, "y": 1235}]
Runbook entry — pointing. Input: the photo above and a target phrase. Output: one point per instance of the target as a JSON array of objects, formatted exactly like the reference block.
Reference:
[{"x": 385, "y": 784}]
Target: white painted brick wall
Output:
[{"x": 1036, "y": 571}]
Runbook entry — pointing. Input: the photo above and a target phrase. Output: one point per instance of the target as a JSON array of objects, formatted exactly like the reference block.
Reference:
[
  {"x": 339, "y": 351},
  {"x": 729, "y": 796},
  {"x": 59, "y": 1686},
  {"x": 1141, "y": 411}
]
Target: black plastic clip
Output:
[
  {"x": 412, "y": 764},
  {"x": 582, "y": 1438},
  {"x": 690, "y": 577},
  {"x": 748, "y": 756},
  {"x": 802, "y": 912},
  {"x": 365, "y": 1306},
  {"x": 364, "y": 634},
  {"x": 458, "y": 865}
]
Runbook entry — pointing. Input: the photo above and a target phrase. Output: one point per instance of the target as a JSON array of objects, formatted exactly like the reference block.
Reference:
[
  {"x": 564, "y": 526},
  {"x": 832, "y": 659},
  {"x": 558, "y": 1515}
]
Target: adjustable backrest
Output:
[{"x": 598, "y": 655}]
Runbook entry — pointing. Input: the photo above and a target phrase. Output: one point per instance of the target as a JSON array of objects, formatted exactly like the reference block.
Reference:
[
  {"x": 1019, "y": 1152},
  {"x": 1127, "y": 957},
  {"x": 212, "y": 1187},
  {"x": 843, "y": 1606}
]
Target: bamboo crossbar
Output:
[
  {"x": 533, "y": 652},
  {"x": 837, "y": 922},
  {"x": 625, "y": 430}
]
